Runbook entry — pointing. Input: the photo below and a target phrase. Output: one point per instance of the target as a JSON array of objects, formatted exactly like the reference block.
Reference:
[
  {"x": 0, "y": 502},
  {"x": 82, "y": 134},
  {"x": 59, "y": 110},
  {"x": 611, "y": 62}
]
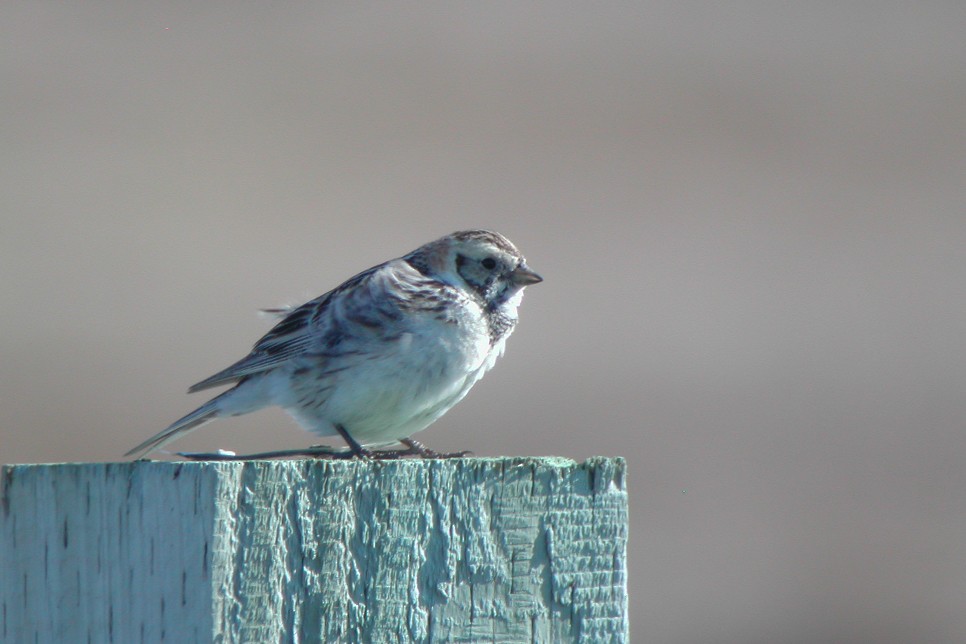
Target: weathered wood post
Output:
[{"x": 468, "y": 550}]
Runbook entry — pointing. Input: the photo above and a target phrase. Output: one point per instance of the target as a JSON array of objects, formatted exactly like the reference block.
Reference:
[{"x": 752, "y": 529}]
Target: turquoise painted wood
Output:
[{"x": 463, "y": 550}]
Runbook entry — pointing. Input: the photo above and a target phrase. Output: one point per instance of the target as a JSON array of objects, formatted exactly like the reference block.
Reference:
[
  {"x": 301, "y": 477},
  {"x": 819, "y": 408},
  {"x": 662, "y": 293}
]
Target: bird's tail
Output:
[
  {"x": 206, "y": 413},
  {"x": 249, "y": 395}
]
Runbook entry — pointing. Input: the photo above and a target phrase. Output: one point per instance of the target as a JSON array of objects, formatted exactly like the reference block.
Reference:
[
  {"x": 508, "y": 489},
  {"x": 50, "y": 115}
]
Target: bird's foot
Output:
[{"x": 415, "y": 448}]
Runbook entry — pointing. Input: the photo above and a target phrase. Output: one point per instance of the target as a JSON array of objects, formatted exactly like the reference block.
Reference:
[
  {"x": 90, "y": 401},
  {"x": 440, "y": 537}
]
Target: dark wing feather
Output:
[{"x": 289, "y": 338}]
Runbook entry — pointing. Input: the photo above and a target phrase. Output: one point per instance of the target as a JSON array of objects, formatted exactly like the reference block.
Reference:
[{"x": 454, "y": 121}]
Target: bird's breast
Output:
[{"x": 450, "y": 347}]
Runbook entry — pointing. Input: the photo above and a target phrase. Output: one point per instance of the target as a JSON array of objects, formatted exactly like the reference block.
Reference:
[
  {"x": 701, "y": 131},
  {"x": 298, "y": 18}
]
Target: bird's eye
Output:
[{"x": 489, "y": 263}]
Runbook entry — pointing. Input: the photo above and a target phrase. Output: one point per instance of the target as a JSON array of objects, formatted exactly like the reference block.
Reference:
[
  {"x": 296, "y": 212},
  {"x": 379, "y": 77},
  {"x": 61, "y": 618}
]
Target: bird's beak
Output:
[{"x": 523, "y": 276}]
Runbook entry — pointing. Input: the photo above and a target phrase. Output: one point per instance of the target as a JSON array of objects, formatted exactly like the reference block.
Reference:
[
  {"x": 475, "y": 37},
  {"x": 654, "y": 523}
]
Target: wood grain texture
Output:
[{"x": 463, "y": 550}]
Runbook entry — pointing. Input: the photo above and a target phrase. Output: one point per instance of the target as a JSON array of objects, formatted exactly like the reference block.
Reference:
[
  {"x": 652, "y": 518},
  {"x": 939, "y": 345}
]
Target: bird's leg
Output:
[
  {"x": 357, "y": 449},
  {"x": 413, "y": 448}
]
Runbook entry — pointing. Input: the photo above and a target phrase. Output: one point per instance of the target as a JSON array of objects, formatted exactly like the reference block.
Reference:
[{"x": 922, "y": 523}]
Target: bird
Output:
[{"x": 384, "y": 354}]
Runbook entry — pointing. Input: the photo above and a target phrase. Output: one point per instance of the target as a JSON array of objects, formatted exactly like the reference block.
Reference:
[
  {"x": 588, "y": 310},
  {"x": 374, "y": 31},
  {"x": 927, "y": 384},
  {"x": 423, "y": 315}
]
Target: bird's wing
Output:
[{"x": 359, "y": 311}]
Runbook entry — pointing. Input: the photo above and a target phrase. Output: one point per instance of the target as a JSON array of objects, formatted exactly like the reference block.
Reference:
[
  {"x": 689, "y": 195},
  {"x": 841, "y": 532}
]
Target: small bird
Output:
[{"x": 386, "y": 353}]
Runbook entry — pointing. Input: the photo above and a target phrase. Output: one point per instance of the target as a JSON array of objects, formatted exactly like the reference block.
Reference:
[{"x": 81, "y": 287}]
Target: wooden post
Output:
[{"x": 468, "y": 550}]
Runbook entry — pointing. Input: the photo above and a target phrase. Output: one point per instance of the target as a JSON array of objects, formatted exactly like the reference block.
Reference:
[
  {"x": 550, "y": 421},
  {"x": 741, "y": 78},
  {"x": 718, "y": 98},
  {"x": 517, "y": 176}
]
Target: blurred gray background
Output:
[{"x": 751, "y": 218}]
